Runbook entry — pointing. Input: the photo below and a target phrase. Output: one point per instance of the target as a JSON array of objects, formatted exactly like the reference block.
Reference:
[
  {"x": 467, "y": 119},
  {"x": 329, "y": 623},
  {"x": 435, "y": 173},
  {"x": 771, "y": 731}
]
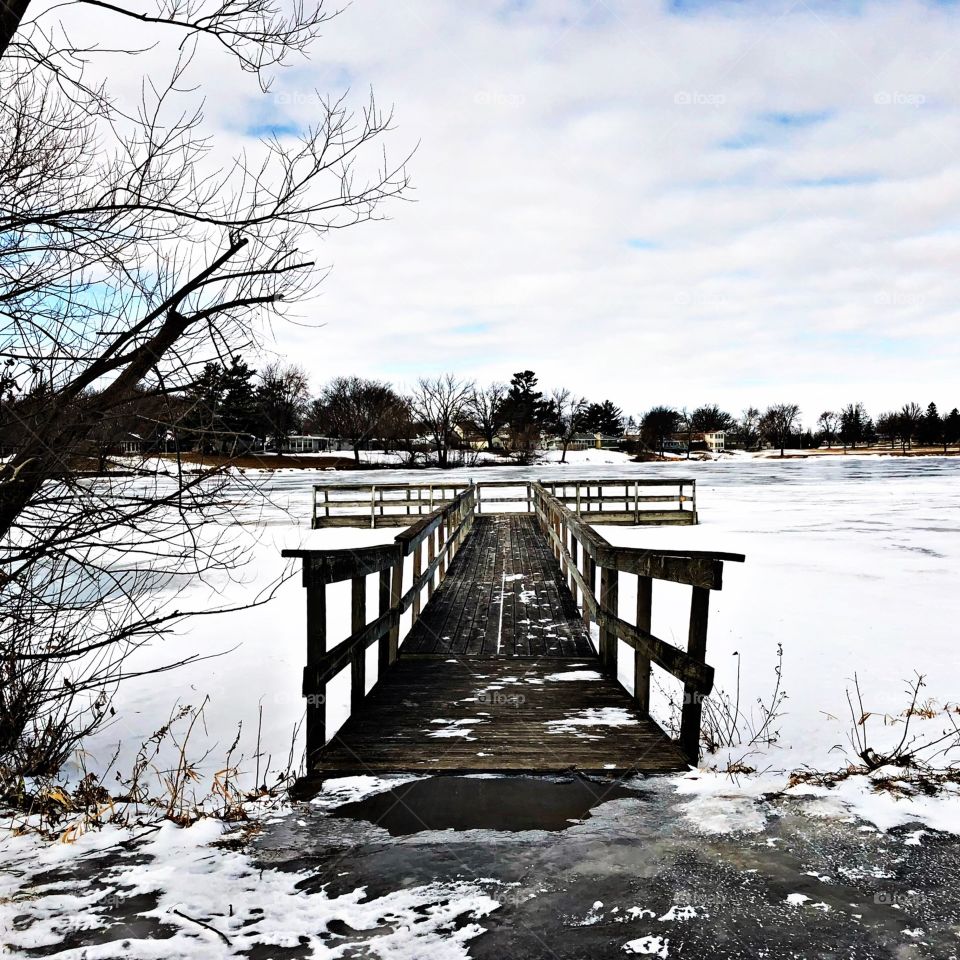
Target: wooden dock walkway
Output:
[
  {"x": 485, "y": 657},
  {"x": 503, "y": 596}
]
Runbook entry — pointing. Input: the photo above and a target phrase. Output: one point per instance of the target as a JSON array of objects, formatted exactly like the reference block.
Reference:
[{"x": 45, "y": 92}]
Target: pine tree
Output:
[{"x": 239, "y": 404}]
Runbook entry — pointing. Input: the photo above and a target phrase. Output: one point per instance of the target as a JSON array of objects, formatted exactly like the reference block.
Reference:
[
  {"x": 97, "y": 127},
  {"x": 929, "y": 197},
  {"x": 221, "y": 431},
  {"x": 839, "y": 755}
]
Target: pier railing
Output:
[
  {"x": 425, "y": 549},
  {"x": 585, "y": 556},
  {"x": 616, "y": 501},
  {"x": 417, "y": 560}
]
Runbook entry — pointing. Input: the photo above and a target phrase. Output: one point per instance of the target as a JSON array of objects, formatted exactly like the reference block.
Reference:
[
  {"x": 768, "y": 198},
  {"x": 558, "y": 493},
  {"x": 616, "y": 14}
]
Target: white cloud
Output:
[{"x": 648, "y": 206}]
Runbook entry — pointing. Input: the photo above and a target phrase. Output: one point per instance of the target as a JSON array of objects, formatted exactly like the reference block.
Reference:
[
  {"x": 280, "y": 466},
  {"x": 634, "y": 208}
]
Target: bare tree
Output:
[
  {"x": 748, "y": 428},
  {"x": 778, "y": 422},
  {"x": 709, "y": 418},
  {"x": 487, "y": 412},
  {"x": 128, "y": 260},
  {"x": 282, "y": 398},
  {"x": 909, "y": 419},
  {"x": 358, "y": 410},
  {"x": 827, "y": 423},
  {"x": 568, "y": 413},
  {"x": 440, "y": 404}
]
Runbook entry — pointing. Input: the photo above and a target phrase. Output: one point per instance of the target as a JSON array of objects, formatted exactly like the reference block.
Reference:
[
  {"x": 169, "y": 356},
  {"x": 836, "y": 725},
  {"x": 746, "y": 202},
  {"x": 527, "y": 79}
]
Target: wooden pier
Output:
[{"x": 498, "y": 639}]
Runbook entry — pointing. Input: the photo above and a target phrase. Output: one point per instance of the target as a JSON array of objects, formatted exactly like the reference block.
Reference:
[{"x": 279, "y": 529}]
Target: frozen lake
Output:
[{"x": 852, "y": 565}]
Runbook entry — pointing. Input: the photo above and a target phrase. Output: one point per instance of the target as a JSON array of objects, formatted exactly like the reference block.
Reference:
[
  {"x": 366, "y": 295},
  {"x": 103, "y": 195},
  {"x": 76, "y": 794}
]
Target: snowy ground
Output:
[{"x": 852, "y": 566}]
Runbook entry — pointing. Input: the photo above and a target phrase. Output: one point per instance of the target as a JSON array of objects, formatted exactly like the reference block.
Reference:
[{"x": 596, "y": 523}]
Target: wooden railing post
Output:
[
  {"x": 383, "y": 653},
  {"x": 396, "y": 593},
  {"x": 609, "y": 583},
  {"x": 417, "y": 566},
  {"x": 697, "y": 650},
  {"x": 316, "y": 719},
  {"x": 358, "y": 658},
  {"x": 575, "y": 557},
  {"x": 590, "y": 576},
  {"x": 441, "y": 536},
  {"x": 431, "y": 556},
  {"x": 641, "y": 664}
]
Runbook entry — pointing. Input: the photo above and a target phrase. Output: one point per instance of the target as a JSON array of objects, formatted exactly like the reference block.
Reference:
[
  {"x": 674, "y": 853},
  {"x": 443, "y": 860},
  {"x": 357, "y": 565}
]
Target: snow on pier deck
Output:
[{"x": 498, "y": 672}]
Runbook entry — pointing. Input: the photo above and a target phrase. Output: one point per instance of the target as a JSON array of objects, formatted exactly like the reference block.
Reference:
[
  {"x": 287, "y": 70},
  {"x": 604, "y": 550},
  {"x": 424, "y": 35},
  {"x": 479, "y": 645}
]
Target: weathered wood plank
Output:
[{"x": 540, "y": 730}]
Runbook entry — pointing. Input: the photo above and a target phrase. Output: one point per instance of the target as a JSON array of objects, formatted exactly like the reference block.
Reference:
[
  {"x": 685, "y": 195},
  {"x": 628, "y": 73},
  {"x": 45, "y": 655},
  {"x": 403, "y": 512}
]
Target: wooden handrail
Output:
[
  {"x": 443, "y": 530},
  {"x": 581, "y": 551},
  {"x": 395, "y": 503}
]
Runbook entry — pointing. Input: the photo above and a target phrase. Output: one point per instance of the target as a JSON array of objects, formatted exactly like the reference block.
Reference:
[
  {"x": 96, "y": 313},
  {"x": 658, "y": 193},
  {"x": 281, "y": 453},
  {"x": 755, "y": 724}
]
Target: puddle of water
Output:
[{"x": 484, "y": 803}]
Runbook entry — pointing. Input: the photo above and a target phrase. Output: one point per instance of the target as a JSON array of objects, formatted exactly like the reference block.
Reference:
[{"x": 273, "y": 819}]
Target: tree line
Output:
[{"x": 231, "y": 407}]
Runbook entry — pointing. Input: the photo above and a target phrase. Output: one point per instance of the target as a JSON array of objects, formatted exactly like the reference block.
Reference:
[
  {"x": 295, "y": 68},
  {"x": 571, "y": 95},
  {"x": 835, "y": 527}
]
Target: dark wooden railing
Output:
[
  {"x": 430, "y": 543},
  {"x": 583, "y": 553},
  {"x": 616, "y": 501}
]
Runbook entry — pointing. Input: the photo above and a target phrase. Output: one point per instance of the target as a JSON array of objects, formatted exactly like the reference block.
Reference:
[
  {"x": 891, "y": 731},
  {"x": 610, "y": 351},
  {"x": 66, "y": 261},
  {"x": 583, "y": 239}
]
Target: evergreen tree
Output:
[
  {"x": 205, "y": 400},
  {"x": 604, "y": 417},
  {"x": 853, "y": 424},
  {"x": 951, "y": 428},
  {"x": 658, "y": 423},
  {"x": 239, "y": 413},
  {"x": 526, "y": 411},
  {"x": 931, "y": 427}
]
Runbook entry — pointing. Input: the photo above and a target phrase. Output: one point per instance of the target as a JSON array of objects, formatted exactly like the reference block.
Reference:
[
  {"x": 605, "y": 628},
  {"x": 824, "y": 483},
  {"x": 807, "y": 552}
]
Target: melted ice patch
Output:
[
  {"x": 593, "y": 717},
  {"x": 574, "y": 675},
  {"x": 650, "y": 946},
  {"x": 456, "y": 728},
  {"x": 342, "y": 790}
]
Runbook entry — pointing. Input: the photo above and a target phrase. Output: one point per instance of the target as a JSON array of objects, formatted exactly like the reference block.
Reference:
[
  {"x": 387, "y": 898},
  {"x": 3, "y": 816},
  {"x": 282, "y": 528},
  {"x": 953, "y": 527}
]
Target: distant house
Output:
[
  {"x": 716, "y": 440},
  {"x": 587, "y": 441},
  {"x": 311, "y": 443},
  {"x": 131, "y": 445},
  {"x": 713, "y": 440},
  {"x": 306, "y": 443}
]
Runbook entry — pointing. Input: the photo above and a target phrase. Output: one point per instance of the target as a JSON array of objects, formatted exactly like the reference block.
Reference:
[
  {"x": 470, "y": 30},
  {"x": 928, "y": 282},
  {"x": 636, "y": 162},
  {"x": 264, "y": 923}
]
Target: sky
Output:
[{"x": 653, "y": 202}]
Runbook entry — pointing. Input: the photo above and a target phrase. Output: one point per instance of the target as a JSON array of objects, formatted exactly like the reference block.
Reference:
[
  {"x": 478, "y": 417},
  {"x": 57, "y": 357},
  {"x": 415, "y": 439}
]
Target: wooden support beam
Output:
[
  {"x": 692, "y": 698},
  {"x": 590, "y": 575},
  {"x": 609, "y": 593},
  {"x": 417, "y": 562},
  {"x": 383, "y": 653},
  {"x": 574, "y": 566},
  {"x": 358, "y": 658},
  {"x": 396, "y": 593},
  {"x": 641, "y": 662},
  {"x": 316, "y": 718}
]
